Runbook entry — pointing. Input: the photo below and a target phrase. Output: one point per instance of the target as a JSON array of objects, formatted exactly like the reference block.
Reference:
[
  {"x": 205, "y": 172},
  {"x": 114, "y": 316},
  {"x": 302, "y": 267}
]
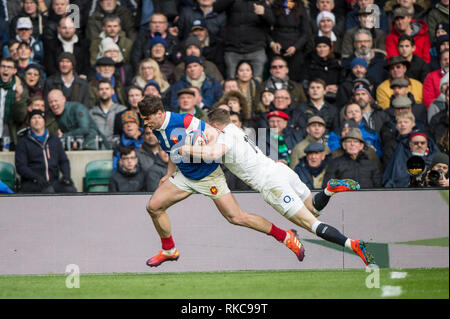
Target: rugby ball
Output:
[{"x": 195, "y": 138}]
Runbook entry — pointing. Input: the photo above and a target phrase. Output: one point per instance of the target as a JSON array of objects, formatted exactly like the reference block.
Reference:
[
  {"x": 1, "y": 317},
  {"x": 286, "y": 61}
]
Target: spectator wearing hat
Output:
[
  {"x": 315, "y": 134},
  {"x": 144, "y": 43},
  {"x": 158, "y": 52},
  {"x": 134, "y": 95},
  {"x": 405, "y": 102},
  {"x": 431, "y": 85},
  {"x": 74, "y": 88},
  {"x": 438, "y": 14},
  {"x": 359, "y": 69},
  {"x": 337, "y": 7},
  {"x": 105, "y": 69},
  {"x": 13, "y": 97},
  {"x": 186, "y": 104},
  {"x": 212, "y": 46},
  {"x": 366, "y": 21},
  {"x": 280, "y": 138},
  {"x": 395, "y": 131},
  {"x": 317, "y": 105},
  {"x": 30, "y": 10},
  {"x": 363, "y": 48},
  {"x": 440, "y": 103},
  {"x": 201, "y": 10},
  {"x": 110, "y": 7},
  {"x": 132, "y": 135},
  {"x": 67, "y": 40},
  {"x": 123, "y": 71},
  {"x": 353, "y": 111},
  {"x": 152, "y": 88},
  {"x": 149, "y": 71},
  {"x": 280, "y": 79},
  {"x": 33, "y": 79},
  {"x": 211, "y": 90},
  {"x": 354, "y": 163},
  {"x": 129, "y": 176},
  {"x": 326, "y": 21},
  {"x": 106, "y": 111},
  {"x": 373, "y": 114},
  {"x": 414, "y": 7},
  {"x": 74, "y": 120},
  {"x": 417, "y": 144},
  {"x": 111, "y": 28},
  {"x": 418, "y": 68},
  {"x": 24, "y": 33},
  {"x": 290, "y": 34},
  {"x": 441, "y": 43},
  {"x": 322, "y": 64},
  {"x": 439, "y": 164},
  {"x": 267, "y": 96},
  {"x": 40, "y": 158},
  {"x": 351, "y": 20},
  {"x": 247, "y": 24},
  {"x": 403, "y": 23},
  {"x": 312, "y": 167},
  {"x": 193, "y": 47},
  {"x": 397, "y": 67}
]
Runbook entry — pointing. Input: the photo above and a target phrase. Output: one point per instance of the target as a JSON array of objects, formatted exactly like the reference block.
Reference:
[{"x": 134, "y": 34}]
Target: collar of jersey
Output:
[{"x": 166, "y": 121}]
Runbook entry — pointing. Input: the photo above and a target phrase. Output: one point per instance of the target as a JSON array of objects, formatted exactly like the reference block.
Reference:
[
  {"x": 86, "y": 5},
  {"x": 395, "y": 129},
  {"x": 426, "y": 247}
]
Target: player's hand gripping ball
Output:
[{"x": 195, "y": 138}]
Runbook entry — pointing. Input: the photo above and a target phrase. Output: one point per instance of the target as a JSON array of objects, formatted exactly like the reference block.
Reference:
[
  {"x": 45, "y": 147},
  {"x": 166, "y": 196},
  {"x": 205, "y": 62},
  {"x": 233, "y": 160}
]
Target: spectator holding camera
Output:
[
  {"x": 437, "y": 176},
  {"x": 40, "y": 157}
]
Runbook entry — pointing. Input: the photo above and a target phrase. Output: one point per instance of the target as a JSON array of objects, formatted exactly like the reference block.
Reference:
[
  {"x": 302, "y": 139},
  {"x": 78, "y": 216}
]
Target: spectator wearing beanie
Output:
[{"x": 437, "y": 15}]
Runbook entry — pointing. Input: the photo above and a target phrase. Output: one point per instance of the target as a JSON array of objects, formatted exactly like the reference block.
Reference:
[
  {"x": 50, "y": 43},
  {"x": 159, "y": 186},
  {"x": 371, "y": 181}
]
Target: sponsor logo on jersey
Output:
[{"x": 287, "y": 199}]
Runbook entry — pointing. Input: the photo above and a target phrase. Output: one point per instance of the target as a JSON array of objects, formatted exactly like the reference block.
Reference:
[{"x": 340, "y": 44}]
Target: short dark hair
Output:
[
  {"x": 125, "y": 150},
  {"x": 318, "y": 80},
  {"x": 405, "y": 37},
  {"x": 150, "y": 105},
  {"x": 34, "y": 98},
  {"x": 219, "y": 115},
  {"x": 237, "y": 114},
  {"x": 8, "y": 59},
  {"x": 134, "y": 87},
  {"x": 111, "y": 17},
  {"x": 103, "y": 81}
]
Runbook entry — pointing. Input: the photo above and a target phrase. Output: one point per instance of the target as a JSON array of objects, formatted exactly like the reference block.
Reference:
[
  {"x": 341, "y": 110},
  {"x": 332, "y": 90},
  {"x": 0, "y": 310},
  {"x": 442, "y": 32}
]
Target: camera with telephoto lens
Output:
[
  {"x": 417, "y": 172},
  {"x": 435, "y": 175}
]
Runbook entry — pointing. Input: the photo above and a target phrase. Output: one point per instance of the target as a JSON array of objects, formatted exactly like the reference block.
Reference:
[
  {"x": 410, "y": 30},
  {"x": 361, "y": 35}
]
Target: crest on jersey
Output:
[
  {"x": 174, "y": 139},
  {"x": 214, "y": 190}
]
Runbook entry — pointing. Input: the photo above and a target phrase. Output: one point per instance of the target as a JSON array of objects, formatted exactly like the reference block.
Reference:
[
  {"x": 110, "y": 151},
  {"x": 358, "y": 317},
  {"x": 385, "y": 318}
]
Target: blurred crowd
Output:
[{"x": 333, "y": 88}]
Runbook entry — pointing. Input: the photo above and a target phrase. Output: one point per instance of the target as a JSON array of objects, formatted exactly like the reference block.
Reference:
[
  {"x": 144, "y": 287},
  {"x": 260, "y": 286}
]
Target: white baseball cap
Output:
[{"x": 24, "y": 23}]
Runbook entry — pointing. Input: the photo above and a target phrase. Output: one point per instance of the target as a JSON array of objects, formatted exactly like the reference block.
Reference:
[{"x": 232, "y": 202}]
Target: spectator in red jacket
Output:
[
  {"x": 404, "y": 24},
  {"x": 431, "y": 85}
]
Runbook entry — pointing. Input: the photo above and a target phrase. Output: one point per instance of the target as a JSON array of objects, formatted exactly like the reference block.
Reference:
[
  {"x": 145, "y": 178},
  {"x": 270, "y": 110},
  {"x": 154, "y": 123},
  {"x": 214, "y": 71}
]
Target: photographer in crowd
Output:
[{"x": 437, "y": 176}]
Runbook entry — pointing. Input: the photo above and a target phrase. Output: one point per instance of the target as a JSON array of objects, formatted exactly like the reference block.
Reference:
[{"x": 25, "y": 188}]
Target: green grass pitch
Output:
[{"x": 282, "y": 284}]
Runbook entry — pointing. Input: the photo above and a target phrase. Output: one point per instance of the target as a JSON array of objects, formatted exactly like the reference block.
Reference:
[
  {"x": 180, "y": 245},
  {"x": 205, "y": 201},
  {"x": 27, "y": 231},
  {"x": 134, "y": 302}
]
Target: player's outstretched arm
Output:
[{"x": 208, "y": 152}]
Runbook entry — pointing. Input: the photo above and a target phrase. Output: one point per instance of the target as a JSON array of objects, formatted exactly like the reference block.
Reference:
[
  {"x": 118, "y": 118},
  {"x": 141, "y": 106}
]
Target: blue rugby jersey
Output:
[{"x": 172, "y": 134}]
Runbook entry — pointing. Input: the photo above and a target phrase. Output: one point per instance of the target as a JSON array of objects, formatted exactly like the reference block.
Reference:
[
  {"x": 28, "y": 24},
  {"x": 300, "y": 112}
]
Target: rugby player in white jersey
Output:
[{"x": 279, "y": 185}]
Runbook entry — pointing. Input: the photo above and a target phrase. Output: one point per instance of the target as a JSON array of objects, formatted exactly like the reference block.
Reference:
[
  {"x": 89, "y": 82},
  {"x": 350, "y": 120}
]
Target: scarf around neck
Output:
[{"x": 9, "y": 98}]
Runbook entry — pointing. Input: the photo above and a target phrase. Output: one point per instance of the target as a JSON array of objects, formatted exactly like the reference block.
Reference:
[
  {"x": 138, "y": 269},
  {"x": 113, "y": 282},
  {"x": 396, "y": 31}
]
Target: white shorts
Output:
[
  {"x": 285, "y": 191},
  {"x": 214, "y": 185}
]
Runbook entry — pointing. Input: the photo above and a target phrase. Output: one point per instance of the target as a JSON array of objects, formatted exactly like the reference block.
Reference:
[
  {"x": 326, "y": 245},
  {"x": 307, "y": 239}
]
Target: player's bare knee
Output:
[{"x": 153, "y": 209}]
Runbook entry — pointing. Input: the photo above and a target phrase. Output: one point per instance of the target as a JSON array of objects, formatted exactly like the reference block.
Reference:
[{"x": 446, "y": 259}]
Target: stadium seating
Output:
[
  {"x": 8, "y": 174},
  {"x": 97, "y": 176}
]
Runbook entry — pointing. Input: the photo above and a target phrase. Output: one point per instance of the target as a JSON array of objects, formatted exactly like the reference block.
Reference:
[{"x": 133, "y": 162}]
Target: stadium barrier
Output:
[{"x": 113, "y": 233}]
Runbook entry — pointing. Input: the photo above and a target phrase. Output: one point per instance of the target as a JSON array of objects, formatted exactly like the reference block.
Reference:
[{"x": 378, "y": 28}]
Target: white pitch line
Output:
[
  {"x": 391, "y": 291},
  {"x": 398, "y": 275}
]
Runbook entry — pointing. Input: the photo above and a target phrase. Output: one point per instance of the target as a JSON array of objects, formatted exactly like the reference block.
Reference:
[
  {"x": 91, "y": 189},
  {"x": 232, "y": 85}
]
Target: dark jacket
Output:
[
  {"x": 215, "y": 22},
  {"x": 396, "y": 174},
  {"x": 80, "y": 50},
  {"x": 291, "y": 137},
  {"x": 375, "y": 70},
  {"x": 328, "y": 112},
  {"x": 390, "y": 138},
  {"x": 438, "y": 125},
  {"x": 245, "y": 31},
  {"x": 305, "y": 175},
  {"x": 418, "y": 69},
  {"x": 122, "y": 181},
  {"x": 419, "y": 111},
  {"x": 378, "y": 36},
  {"x": 363, "y": 170},
  {"x": 79, "y": 89},
  {"x": 152, "y": 165},
  {"x": 211, "y": 91},
  {"x": 33, "y": 159},
  {"x": 377, "y": 118},
  {"x": 318, "y": 68}
]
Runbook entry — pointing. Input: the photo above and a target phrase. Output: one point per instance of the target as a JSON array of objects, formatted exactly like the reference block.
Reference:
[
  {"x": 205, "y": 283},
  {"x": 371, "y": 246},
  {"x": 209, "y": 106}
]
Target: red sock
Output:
[
  {"x": 167, "y": 243},
  {"x": 277, "y": 233}
]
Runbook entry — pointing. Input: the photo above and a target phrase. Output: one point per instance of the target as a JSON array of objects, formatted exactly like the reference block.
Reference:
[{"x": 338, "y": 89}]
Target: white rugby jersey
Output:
[{"x": 244, "y": 159}]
